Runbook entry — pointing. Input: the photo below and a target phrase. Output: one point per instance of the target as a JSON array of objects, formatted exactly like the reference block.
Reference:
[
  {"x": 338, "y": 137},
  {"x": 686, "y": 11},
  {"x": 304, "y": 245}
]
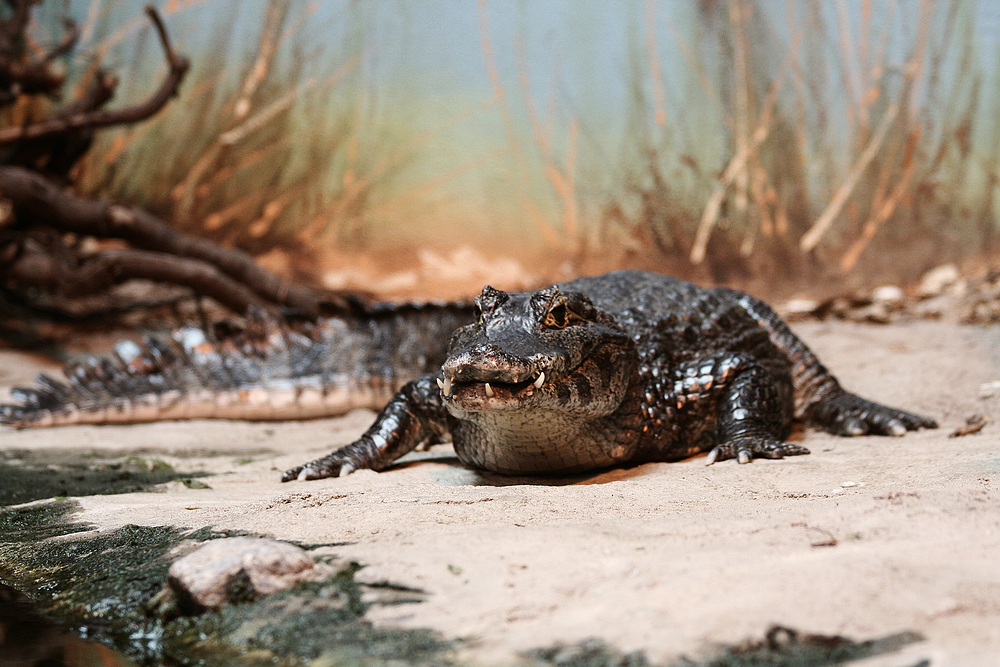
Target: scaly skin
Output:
[
  {"x": 621, "y": 368},
  {"x": 267, "y": 371}
]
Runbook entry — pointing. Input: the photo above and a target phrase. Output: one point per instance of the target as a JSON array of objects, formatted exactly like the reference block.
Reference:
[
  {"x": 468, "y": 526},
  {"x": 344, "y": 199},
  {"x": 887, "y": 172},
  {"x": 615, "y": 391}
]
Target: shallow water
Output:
[{"x": 27, "y": 639}]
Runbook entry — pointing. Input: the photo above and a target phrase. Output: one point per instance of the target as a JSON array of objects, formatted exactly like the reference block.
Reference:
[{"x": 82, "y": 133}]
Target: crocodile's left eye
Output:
[{"x": 560, "y": 316}]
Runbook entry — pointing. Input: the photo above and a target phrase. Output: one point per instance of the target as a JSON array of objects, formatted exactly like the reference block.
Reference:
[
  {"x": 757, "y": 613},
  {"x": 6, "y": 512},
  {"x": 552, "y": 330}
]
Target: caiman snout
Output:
[{"x": 487, "y": 367}]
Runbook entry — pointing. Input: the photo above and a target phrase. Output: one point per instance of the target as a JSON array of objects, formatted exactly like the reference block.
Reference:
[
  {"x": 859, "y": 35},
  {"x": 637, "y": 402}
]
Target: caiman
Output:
[{"x": 621, "y": 368}]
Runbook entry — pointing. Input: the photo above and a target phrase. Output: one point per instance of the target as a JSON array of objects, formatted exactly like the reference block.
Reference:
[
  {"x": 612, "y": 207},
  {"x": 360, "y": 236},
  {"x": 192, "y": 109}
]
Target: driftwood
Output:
[
  {"x": 43, "y": 223},
  {"x": 230, "y": 276}
]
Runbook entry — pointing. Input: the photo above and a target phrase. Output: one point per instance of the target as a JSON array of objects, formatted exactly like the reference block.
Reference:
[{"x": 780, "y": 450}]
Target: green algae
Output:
[
  {"x": 588, "y": 653},
  {"x": 28, "y": 475},
  {"x": 37, "y": 522},
  {"x": 315, "y": 621}
]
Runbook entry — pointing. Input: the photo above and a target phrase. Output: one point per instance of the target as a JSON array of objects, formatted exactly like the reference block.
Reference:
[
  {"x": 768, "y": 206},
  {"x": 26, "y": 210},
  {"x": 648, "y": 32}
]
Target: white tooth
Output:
[
  {"x": 489, "y": 390},
  {"x": 446, "y": 387},
  {"x": 440, "y": 383},
  {"x": 537, "y": 384}
]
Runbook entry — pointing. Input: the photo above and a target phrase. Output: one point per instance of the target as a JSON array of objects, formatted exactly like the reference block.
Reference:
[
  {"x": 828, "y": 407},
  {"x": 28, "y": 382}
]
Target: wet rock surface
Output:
[{"x": 239, "y": 569}]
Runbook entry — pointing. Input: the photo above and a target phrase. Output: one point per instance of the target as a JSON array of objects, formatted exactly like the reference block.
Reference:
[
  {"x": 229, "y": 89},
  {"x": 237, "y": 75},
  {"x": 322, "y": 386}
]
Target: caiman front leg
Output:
[
  {"x": 755, "y": 413},
  {"x": 415, "y": 416}
]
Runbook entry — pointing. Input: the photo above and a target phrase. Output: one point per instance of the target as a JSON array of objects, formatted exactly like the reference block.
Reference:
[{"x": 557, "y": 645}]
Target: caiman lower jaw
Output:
[{"x": 489, "y": 395}]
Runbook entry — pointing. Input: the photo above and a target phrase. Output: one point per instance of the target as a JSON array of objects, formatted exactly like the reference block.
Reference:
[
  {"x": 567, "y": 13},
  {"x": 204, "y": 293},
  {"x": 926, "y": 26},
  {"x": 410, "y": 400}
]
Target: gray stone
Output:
[{"x": 239, "y": 569}]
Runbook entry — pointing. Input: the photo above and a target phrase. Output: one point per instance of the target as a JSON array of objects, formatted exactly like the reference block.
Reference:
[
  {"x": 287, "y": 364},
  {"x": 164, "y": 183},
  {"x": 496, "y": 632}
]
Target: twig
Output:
[
  {"x": 253, "y": 123},
  {"x": 187, "y": 190},
  {"x": 738, "y": 10},
  {"x": 272, "y": 209},
  {"x": 884, "y": 212},
  {"x": 493, "y": 74},
  {"x": 538, "y": 133},
  {"x": 711, "y": 213},
  {"x": 266, "y": 50},
  {"x": 812, "y": 237},
  {"x": 66, "y": 44},
  {"x": 799, "y": 86},
  {"x": 848, "y": 56},
  {"x": 655, "y": 70}
]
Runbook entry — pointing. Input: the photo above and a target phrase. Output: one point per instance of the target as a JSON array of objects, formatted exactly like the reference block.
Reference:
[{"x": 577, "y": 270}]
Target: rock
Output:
[
  {"x": 989, "y": 389},
  {"x": 935, "y": 307},
  {"x": 876, "y": 312},
  {"x": 239, "y": 569},
  {"x": 889, "y": 295},
  {"x": 937, "y": 280},
  {"x": 800, "y": 309}
]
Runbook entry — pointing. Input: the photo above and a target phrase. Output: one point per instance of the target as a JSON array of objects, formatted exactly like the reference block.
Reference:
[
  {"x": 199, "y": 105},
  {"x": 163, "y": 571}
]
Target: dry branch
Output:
[
  {"x": 61, "y": 124},
  {"x": 241, "y": 123},
  {"x": 73, "y": 275},
  {"x": 35, "y": 198}
]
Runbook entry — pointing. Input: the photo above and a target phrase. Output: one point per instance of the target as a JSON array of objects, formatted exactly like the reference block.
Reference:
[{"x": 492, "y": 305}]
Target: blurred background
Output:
[{"x": 425, "y": 146}]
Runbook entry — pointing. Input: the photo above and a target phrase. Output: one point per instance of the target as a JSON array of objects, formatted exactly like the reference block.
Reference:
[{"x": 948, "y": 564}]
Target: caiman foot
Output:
[
  {"x": 331, "y": 465},
  {"x": 851, "y": 415},
  {"x": 746, "y": 449}
]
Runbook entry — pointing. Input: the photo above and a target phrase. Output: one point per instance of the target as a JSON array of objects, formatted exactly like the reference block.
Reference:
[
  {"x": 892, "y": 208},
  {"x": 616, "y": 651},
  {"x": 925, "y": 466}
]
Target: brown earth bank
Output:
[{"x": 865, "y": 537}]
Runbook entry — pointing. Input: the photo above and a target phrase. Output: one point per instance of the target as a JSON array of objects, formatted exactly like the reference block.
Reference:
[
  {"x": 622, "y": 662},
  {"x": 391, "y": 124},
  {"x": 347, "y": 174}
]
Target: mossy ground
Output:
[
  {"x": 99, "y": 586},
  {"x": 782, "y": 647},
  {"x": 27, "y": 475}
]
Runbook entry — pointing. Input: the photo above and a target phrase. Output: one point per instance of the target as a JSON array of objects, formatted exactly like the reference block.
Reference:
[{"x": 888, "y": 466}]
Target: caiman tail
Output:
[{"x": 268, "y": 371}]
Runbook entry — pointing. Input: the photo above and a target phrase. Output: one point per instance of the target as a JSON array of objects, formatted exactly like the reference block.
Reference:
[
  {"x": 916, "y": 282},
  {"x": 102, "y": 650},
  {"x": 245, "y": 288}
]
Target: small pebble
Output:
[{"x": 989, "y": 389}]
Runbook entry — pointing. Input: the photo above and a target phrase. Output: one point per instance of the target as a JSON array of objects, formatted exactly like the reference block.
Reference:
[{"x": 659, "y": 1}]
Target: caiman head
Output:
[{"x": 533, "y": 378}]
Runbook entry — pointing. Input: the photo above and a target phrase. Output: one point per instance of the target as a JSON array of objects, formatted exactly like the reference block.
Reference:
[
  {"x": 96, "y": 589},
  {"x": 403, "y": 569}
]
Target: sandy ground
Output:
[{"x": 864, "y": 537}]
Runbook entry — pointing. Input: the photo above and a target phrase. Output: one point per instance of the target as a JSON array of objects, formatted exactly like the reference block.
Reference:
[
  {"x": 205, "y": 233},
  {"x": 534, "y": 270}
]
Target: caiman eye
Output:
[{"x": 559, "y": 316}]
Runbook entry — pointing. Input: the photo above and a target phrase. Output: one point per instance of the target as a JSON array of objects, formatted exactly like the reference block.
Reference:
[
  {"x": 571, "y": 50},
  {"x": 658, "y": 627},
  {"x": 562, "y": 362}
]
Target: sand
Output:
[{"x": 864, "y": 537}]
